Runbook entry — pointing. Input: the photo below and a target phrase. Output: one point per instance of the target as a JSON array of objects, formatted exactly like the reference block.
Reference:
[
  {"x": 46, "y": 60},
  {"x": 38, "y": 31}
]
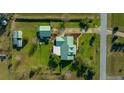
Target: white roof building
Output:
[{"x": 56, "y": 50}]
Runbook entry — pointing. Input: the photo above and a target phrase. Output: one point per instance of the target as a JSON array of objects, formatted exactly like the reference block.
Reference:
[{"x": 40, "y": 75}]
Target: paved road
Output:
[{"x": 103, "y": 35}]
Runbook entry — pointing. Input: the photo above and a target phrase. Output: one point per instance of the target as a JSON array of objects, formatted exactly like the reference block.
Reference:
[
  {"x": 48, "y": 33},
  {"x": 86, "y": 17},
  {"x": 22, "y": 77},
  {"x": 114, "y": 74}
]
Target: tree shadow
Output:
[
  {"x": 114, "y": 39},
  {"x": 117, "y": 47},
  {"x": 92, "y": 40},
  {"x": 52, "y": 64},
  {"x": 115, "y": 29},
  {"x": 32, "y": 50},
  {"x": 2, "y": 30},
  {"x": 45, "y": 40},
  {"x": 25, "y": 41},
  {"x": 64, "y": 63},
  {"x": 90, "y": 75},
  {"x": 74, "y": 67},
  {"x": 32, "y": 73}
]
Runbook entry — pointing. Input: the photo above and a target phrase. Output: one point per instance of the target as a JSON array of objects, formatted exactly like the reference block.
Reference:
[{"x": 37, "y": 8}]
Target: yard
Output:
[
  {"x": 33, "y": 54},
  {"x": 115, "y": 58},
  {"x": 90, "y": 52},
  {"x": 86, "y": 51}
]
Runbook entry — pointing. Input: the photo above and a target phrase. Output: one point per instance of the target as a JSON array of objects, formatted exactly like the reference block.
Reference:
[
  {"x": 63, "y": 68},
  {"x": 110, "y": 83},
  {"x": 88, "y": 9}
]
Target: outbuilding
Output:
[
  {"x": 44, "y": 32},
  {"x": 17, "y": 38}
]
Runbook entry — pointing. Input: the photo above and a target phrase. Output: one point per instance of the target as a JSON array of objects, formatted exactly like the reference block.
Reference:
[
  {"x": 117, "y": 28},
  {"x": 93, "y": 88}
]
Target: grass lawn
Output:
[
  {"x": 4, "y": 71},
  {"x": 115, "y": 60},
  {"x": 27, "y": 58},
  {"x": 116, "y": 19},
  {"x": 87, "y": 51}
]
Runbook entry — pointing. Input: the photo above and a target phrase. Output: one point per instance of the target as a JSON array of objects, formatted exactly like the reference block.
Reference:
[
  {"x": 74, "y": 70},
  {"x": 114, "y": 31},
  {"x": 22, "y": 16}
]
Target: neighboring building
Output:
[
  {"x": 17, "y": 38},
  {"x": 44, "y": 32},
  {"x": 3, "y": 25},
  {"x": 3, "y": 57},
  {"x": 4, "y": 22},
  {"x": 65, "y": 47}
]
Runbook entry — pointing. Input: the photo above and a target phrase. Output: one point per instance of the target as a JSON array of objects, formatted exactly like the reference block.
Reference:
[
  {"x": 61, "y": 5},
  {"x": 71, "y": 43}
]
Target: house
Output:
[
  {"x": 65, "y": 47},
  {"x": 44, "y": 32},
  {"x": 17, "y": 38}
]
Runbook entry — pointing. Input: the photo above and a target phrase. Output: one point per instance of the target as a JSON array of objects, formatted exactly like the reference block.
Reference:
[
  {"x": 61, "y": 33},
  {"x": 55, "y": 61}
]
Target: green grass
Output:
[
  {"x": 44, "y": 54},
  {"x": 115, "y": 60},
  {"x": 87, "y": 51},
  {"x": 116, "y": 19},
  {"x": 4, "y": 71}
]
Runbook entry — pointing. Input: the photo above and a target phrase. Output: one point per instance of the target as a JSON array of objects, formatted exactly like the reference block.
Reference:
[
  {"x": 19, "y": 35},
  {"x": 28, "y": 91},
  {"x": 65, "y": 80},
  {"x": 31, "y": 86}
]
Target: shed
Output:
[
  {"x": 14, "y": 37},
  {"x": 17, "y": 38},
  {"x": 44, "y": 32}
]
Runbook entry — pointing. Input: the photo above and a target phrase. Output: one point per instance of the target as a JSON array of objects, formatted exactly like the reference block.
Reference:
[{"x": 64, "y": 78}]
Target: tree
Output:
[
  {"x": 62, "y": 25},
  {"x": 114, "y": 30},
  {"x": 92, "y": 40},
  {"x": 84, "y": 24},
  {"x": 90, "y": 73},
  {"x": 85, "y": 67},
  {"x": 54, "y": 61}
]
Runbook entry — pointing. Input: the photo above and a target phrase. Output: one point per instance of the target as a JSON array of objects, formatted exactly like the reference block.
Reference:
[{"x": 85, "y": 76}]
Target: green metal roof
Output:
[
  {"x": 44, "y": 32},
  {"x": 68, "y": 49},
  {"x": 59, "y": 41},
  {"x": 69, "y": 40},
  {"x": 44, "y": 28}
]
